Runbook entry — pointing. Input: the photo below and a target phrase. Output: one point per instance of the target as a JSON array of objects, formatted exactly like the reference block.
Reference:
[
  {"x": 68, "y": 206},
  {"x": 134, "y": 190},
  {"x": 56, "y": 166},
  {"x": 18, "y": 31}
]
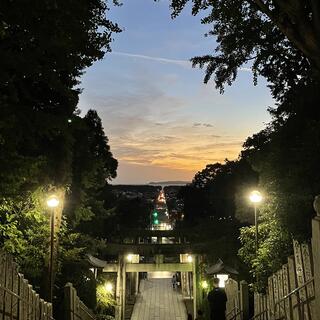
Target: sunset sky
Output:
[{"x": 162, "y": 122}]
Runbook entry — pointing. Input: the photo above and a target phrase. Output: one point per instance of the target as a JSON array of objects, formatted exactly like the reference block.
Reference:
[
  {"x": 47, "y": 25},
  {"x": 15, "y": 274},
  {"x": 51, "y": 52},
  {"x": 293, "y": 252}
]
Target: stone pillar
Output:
[
  {"x": 244, "y": 300},
  {"x": 131, "y": 284},
  {"x": 124, "y": 290},
  {"x": 184, "y": 278},
  {"x": 119, "y": 288},
  {"x": 137, "y": 283},
  {"x": 316, "y": 256},
  {"x": 195, "y": 284},
  {"x": 135, "y": 275}
]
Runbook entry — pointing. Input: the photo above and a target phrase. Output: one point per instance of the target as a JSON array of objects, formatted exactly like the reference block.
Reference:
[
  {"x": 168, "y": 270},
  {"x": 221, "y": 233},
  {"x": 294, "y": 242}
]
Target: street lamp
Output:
[
  {"x": 108, "y": 287},
  {"x": 255, "y": 197},
  {"x": 204, "y": 284},
  {"x": 52, "y": 202}
]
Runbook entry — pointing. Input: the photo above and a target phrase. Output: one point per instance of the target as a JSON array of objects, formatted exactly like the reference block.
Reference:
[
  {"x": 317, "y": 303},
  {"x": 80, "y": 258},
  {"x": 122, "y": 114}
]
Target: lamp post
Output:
[
  {"x": 52, "y": 203},
  {"x": 255, "y": 197}
]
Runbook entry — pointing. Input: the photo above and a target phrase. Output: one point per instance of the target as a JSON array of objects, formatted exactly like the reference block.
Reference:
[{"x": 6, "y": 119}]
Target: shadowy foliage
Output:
[
  {"x": 276, "y": 39},
  {"x": 44, "y": 49},
  {"x": 285, "y": 155}
]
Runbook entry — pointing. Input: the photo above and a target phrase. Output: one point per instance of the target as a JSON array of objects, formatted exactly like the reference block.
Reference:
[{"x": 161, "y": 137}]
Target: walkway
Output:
[{"x": 158, "y": 301}]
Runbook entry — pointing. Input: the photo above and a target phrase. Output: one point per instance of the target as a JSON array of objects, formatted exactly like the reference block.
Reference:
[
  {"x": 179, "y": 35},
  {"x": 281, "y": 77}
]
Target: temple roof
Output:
[
  {"x": 95, "y": 262},
  {"x": 220, "y": 267}
]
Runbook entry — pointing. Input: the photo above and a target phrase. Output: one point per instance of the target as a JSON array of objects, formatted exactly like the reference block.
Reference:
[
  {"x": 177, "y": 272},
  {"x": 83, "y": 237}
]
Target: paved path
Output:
[{"x": 158, "y": 301}]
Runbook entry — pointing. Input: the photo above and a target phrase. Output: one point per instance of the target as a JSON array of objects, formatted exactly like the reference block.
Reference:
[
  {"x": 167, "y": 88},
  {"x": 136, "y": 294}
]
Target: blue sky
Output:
[{"x": 163, "y": 123}]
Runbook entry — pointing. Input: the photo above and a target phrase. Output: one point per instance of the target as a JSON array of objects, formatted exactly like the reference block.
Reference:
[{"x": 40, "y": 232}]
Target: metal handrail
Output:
[
  {"x": 84, "y": 308},
  {"x": 294, "y": 291},
  {"x": 237, "y": 311}
]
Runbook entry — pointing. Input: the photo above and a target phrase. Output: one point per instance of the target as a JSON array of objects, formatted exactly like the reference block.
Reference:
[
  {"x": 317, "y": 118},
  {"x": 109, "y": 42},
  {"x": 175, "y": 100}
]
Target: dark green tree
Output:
[
  {"x": 215, "y": 191},
  {"x": 44, "y": 49},
  {"x": 92, "y": 167},
  {"x": 133, "y": 213},
  {"x": 277, "y": 39},
  {"x": 285, "y": 155}
]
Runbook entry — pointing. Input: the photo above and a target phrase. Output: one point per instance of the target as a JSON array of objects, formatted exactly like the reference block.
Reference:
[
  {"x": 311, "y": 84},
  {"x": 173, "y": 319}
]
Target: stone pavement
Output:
[{"x": 158, "y": 301}]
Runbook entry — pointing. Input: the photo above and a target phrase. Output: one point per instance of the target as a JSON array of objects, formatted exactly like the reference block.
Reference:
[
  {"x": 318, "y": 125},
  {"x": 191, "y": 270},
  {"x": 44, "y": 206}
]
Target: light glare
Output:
[
  {"x": 255, "y": 196},
  {"x": 109, "y": 287},
  {"x": 189, "y": 258},
  {"x": 222, "y": 279},
  {"x": 53, "y": 202},
  {"x": 204, "y": 284}
]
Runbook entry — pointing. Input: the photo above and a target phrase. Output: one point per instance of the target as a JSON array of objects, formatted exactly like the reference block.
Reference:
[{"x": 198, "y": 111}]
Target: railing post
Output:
[
  {"x": 244, "y": 300},
  {"x": 316, "y": 256},
  {"x": 68, "y": 302}
]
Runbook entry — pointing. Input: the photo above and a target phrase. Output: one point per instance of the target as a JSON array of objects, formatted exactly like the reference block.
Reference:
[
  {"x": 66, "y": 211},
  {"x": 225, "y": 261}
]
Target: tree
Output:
[
  {"x": 285, "y": 155},
  {"x": 215, "y": 191},
  {"x": 279, "y": 39},
  {"x": 93, "y": 166},
  {"x": 24, "y": 232},
  {"x": 275, "y": 245},
  {"x": 133, "y": 213},
  {"x": 44, "y": 48}
]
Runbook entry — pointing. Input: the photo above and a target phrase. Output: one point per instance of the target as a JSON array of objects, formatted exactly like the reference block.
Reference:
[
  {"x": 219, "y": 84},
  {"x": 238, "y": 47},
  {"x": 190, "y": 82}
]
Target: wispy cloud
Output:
[
  {"x": 182, "y": 63},
  {"x": 199, "y": 124}
]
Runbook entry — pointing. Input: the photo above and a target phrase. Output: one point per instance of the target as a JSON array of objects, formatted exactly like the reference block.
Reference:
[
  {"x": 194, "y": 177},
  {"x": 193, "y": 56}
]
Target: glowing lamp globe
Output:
[
  {"x": 109, "y": 287},
  {"x": 255, "y": 196},
  {"x": 53, "y": 201}
]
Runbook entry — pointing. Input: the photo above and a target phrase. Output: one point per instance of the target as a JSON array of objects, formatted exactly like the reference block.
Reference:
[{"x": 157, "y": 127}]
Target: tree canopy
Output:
[
  {"x": 276, "y": 39},
  {"x": 44, "y": 143},
  {"x": 44, "y": 48}
]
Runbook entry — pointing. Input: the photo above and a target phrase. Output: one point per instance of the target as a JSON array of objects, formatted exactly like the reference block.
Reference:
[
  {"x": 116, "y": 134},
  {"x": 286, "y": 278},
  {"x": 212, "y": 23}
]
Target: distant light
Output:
[
  {"x": 156, "y": 221},
  {"x": 222, "y": 279},
  {"x": 53, "y": 201},
  {"x": 255, "y": 196},
  {"x": 130, "y": 257},
  {"x": 69, "y": 120},
  {"x": 204, "y": 284},
  {"x": 155, "y": 214},
  {"x": 189, "y": 258},
  {"x": 109, "y": 287}
]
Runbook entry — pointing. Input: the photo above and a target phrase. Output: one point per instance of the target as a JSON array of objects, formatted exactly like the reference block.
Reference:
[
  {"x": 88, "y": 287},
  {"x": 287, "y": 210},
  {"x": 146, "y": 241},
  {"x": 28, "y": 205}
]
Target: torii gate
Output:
[{"x": 122, "y": 267}]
